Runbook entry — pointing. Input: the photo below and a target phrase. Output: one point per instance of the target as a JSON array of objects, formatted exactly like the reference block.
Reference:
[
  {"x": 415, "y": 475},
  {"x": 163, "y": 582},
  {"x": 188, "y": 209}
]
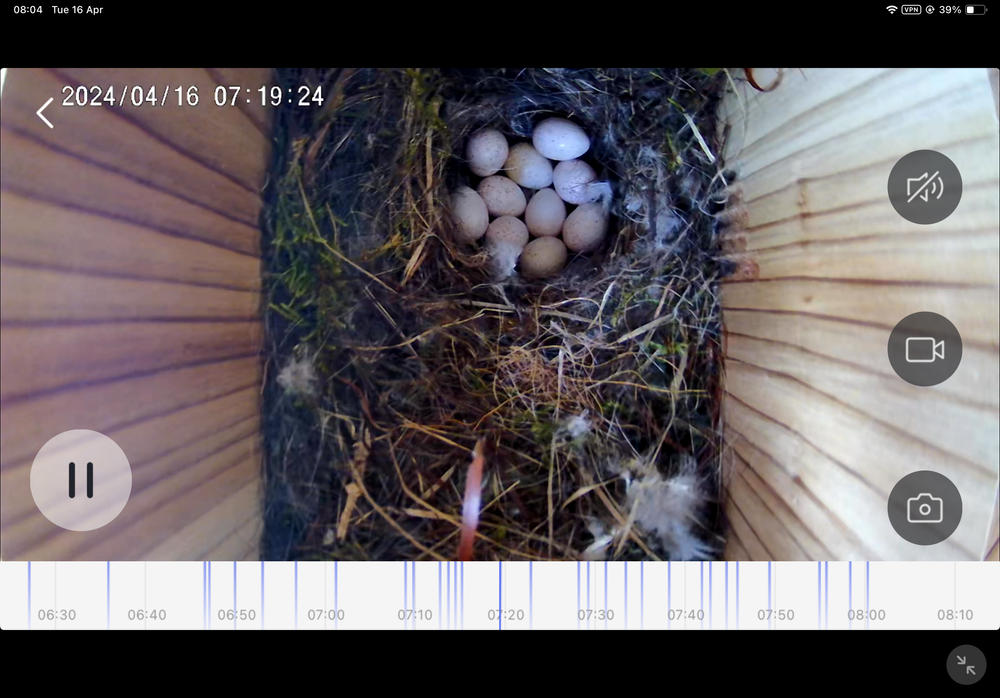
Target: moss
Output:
[{"x": 420, "y": 354}]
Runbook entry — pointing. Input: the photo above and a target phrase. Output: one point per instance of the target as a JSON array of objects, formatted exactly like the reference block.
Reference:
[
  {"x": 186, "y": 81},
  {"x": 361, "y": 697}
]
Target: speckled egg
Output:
[
  {"x": 560, "y": 139},
  {"x": 470, "y": 214},
  {"x": 572, "y": 179},
  {"x": 507, "y": 230},
  {"x": 528, "y": 167},
  {"x": 502, "y": 196},
  {"x": 545, "y": 213},
  {"x": 543, "y": 257},
  {"x": 585, "y": 227},
  {"x": 486, "y": 152}
]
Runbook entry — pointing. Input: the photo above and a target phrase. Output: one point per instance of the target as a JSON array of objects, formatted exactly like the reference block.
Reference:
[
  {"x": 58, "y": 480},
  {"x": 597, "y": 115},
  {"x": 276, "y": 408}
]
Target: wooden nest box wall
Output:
[
  {"x": 130, "y": 304},
  {"x": 818, "y": 426}
]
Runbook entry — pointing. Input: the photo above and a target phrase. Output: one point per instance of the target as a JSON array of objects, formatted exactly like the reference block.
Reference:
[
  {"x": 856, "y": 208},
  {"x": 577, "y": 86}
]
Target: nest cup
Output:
[
  {"x": 594, "y": 392},
  {"x": 517, "y": 121}
]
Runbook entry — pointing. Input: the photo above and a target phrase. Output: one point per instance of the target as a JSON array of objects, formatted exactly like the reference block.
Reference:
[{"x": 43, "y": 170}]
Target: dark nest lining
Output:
[{"x": 391, "y": 351}]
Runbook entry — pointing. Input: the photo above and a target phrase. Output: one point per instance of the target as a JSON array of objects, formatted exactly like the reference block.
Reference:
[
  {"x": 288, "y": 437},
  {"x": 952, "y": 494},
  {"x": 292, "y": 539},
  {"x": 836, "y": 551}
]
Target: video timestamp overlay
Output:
[{"x": 500, "y": 595}]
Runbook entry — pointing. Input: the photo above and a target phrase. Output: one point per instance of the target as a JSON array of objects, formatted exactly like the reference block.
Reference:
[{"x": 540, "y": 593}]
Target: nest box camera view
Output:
[{"x": 499, "y": 314}]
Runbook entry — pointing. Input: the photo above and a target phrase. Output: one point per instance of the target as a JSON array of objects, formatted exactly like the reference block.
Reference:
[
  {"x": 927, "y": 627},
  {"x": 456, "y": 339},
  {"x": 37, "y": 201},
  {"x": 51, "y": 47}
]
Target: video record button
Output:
[{"x": 925, "y": 349}]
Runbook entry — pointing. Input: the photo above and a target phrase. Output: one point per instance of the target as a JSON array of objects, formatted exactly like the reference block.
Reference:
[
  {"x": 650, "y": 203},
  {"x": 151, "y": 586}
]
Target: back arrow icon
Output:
[{"x": 39, "y": 113}]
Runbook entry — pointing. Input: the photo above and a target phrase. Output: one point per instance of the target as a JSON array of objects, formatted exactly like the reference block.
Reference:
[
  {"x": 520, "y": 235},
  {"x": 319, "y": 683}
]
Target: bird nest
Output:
[{"x": 590, "y": 399}]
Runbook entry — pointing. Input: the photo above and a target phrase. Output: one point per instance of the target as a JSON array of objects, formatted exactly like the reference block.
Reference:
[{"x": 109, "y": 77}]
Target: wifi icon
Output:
[{"x": 891, "y": 9}]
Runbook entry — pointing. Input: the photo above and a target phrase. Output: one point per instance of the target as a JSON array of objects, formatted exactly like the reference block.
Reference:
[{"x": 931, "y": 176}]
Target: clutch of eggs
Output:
[{"x": 540, "y": 243}]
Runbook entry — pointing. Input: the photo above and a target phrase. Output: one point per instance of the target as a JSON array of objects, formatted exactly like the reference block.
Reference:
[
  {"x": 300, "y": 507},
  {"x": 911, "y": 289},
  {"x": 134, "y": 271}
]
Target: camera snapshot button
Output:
[{"x": 925, "y": 507}]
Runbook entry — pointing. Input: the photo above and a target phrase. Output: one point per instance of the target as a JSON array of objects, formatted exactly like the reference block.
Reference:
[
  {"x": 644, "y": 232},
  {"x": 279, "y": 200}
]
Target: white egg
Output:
[
  {"x": 560, "y": 139},
  {"x": 584, "y": 228},
  {"x": 545, "y": 213},
  {"x": 528, "y": 167},
  {"x": 507, "y": 230},
  {"x": 543, "y": 257},
  {"x": 572, "y": 179},
  {"x": 470, "y": 214},
  {"x": 486, "y": 152},
  {"x": 502, "y": 196}
]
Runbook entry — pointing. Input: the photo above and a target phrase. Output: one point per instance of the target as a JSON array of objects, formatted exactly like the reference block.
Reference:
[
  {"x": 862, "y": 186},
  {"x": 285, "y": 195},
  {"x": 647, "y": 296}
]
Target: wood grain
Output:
[
  {"x": 38, "y": 360},
  {"x": 818, "y": 425},
  {"x": 115, "y": 142},
  {"x": 35, "y": 170},
  {"x": 130, "y": 292},
  {"x": 175, "y": 476},
  {"x": 34, "y": 235},
  {"x": 37, "y": 295},
  {"x": 141, "y": 442},
  {"x": 224, "y": 138}
]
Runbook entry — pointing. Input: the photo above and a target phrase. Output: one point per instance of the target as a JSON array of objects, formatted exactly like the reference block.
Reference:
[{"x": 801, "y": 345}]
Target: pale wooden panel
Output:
[
  {"x": 176, "y": 476},
  {"x": 804, "y": 543},
  {"x": 932, "y": 258},
  {"x": 876, "y": 453},
  {"x": 777, "y": 199},
  {"x": 834, "y": 129},
  {"x": 864, "y": 346},
  {"x": 781, "y": 545},
  {"x": 252, "y": 78},
  {"x": 237, "y": 499},
  {"x": 130, "y": 291},
  {"x": 865, "y": 220},
  {"x": 26, "y": 424},
  {"x": 804, "y": 480},
  {"x": 743, "y": 531},
  {"x": 756, "y": 125},
  {"x": 34, "y": 170},
  {"x": 43, "y": 295},
  {"x": 222, "y": 137},
  {"x": 39, "y": 359},
  {"x": 734, "y": 549},
  {"x": 871, "y": 302},
  {"x": 115, "y": 142},
  {"x": 242, "y": 544},
  {"x": 34, "y": 233},
  {"x": 900, "y": 406},
  {"x": 820, "y": 426},
  {"x": 993, "y": 536},
  {"x": 143, "y": 444}
]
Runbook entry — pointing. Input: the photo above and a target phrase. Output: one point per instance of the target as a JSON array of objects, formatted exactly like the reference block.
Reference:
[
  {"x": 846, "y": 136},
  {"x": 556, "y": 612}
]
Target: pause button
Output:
[{"x": 80, "y": 480}]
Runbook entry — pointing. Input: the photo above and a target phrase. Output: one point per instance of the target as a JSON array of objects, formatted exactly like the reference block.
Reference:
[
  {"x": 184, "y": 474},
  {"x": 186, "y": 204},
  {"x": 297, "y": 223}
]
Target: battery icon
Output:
[{"x": 975, "y": 9}]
